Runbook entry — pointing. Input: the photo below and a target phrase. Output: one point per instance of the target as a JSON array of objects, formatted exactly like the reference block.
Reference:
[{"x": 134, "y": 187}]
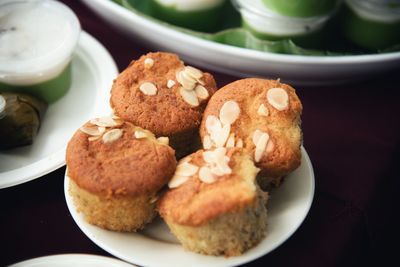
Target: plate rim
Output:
[
  {"x": 56, "y": 159},
  {"x": 78, "y": 256},
  {"x": 253, "y": 54},
  {"x": 243, "y": 258}
]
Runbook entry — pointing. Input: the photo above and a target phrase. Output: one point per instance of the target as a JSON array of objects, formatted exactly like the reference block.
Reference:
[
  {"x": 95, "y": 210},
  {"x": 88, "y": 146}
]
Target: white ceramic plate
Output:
[
  {"x": 155, "y": 246},
  {"x": 312, "y": 70},
  {"x": 72, "y": 260},
  {"x": 93, "y": 71}
]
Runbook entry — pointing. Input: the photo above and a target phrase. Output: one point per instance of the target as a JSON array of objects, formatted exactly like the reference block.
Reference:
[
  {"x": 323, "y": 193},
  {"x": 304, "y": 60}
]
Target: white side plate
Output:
[
  {"x": 93, "y": 71},
  {"x": 155, "y": 246},
  {"x": 312, "y": 70},
  {"x": 72, "y": 260}
]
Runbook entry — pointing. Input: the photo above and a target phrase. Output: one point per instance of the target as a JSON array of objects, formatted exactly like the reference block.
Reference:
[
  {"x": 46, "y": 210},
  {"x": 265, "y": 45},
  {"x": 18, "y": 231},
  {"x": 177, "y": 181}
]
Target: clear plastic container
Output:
[
  {"x": 37, "y": 40},
  {"x": 302, "y": 8},
  {"x": 201, "y": 15},
  {"x": 269, "y": 25},
  {"x": 372, "y": 24}
]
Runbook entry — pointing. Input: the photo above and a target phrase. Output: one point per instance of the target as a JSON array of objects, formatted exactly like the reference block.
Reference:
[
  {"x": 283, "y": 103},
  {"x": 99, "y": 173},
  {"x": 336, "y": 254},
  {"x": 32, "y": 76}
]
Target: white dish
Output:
[
  {"x": 313, "y": 70},
  {"x": 93, "y": 71},
  {"x": 155, "y": 246},
  {"x": 72, "y": 260}
]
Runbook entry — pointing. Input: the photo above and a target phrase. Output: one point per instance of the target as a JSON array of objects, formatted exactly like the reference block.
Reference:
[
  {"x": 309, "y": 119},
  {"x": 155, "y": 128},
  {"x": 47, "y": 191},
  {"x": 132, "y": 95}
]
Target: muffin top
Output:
[
  {"x": 263, "y": 117},
  {"x": 208, "y": 184},
  {"x": 111, "y": 157},
  {"x": 157, "y": 92}
]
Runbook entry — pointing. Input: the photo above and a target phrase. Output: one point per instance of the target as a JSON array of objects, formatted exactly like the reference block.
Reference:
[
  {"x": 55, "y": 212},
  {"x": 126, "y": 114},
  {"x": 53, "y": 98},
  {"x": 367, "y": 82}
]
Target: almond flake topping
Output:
[
  {"x": 193, "y": 72},
  {"x": 112, "y": 135},
  {"x": 216, "y": 164},
  {"x": 229, "y": 112},
  {"x": 93, "y": 131},
  {"x": 148, "y": 88},
  {"x": 163, "y": 140},
  {"x": 186, "y": 169},
  {"x": 148, "y": 63},
  {"x": 189, "y": 79},
  {"x": 207, "y": 142},
  {"x": 140, "y": 134},
  {"x": 170, "y": 84},
  {"x": 189, "y": 97},
  {"x": 206, "y": 176},
  {"x": 278, "y": 98},
  {"x": 261, "y": 146},
  {"x": 263, "y": 110},
  {"x": 94, "y": 138},
  {"x": 201, "y": 92},
  {"x": 231, "y": 140},
  {"x": 177, "y": 181},
  {"x": 105, "y": 122}
]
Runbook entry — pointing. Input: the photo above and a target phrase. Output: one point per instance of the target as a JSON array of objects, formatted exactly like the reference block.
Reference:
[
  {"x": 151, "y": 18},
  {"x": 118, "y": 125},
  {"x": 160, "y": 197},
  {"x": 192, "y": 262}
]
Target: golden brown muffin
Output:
[
  {"x": 214, "y": 205},
  {"x": 158, "y": 93},
  {"x": 263, "y": 117},
  {"x": 116, "y": 170}
]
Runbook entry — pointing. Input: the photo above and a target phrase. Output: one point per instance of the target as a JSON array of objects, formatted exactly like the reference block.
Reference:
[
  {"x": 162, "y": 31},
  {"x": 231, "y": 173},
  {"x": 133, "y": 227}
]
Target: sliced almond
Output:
[
  {"x": 213, "y": 124},
  {"x": 263, "y": 110},
  {"x": 208, "y": 156},
  {"x": 105, "y": 122},
  {"x": 148, "y": 88},
  {"x": 177, "y": 181},
  {"x": 187, "y": 82},
  {"x": 112, "y": 135},
  {"x": 206, "y": 176},
  {"x": 189, "y": 97},
  {"x": 170, "y": 84},
  {"x": 231, "y": 140},
  {"x": 148, "y": 63},
  {"x": 201, "y": 92},
  {"x": 93, "y": 138},
  {"x": 229, "y": 112},
  {"x": 140, "y": 134},
  {"x": 220, "y": 137},
  {"x": 270, "y": 146},
  {"x": 163, "y": 140},
  {"x": 216, "y": 171},
  {"x": 239, "y": 143},
  {"x": 200, "y": 81},
  {"x": 193, "y": 72},
  {"x": 256, "y": 136},
  {"x": 260, "y": 147},
  {"x": 93, "y": 131},
  {"x": 207, "y": 142},
  {"x": 154, "y": 199},
  {"x": 278, "y": 98},
  {"x": 186, "y": 169}
]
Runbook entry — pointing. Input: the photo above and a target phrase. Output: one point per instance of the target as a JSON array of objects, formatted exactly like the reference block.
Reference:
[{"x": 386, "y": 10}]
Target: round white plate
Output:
[
  {"x": 72, "y": 260},
  {"x": 155, "y": 246},
  {"x": 312, "y": 70},
  {"x": 93, "y": 71}
]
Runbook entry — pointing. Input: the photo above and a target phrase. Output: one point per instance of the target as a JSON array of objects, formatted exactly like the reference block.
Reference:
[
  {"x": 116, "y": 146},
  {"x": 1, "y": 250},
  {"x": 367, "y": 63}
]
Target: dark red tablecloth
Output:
[{"x": 351, "y": 132}]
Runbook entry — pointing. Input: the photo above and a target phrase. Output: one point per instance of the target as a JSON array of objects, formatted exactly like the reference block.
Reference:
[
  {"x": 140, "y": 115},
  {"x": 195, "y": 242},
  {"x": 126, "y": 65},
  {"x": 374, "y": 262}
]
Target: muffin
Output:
[
  {"x": 114, "y": 169},
  {"x": 214, "y": 205},
  {"x": 263, "y": 117},
  {"x": 158, "y": 93}
]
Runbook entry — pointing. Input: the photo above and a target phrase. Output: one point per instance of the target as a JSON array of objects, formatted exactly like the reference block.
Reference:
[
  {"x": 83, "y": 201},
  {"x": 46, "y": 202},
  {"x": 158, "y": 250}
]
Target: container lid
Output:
[{"x": 37, "y": 38}]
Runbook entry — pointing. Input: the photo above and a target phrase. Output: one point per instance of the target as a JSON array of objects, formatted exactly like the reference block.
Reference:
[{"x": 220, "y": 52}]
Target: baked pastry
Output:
[
  {"x": 158, "y": 93},
  {"x": 116, "y": 170},
  {"x": 263, "y": 117},
  {"x": 214, "y": 205}
]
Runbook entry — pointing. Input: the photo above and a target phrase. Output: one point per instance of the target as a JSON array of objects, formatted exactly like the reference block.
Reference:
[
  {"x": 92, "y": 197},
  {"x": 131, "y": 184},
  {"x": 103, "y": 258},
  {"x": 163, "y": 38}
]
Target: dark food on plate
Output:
[
  {"x": 215, "y": 206},
  {"x": 159, "y": 93},
  {"x": 20, "y": 119},
  {"x": 116, "y": 171},
  {"x": 263, "y": 117}
]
